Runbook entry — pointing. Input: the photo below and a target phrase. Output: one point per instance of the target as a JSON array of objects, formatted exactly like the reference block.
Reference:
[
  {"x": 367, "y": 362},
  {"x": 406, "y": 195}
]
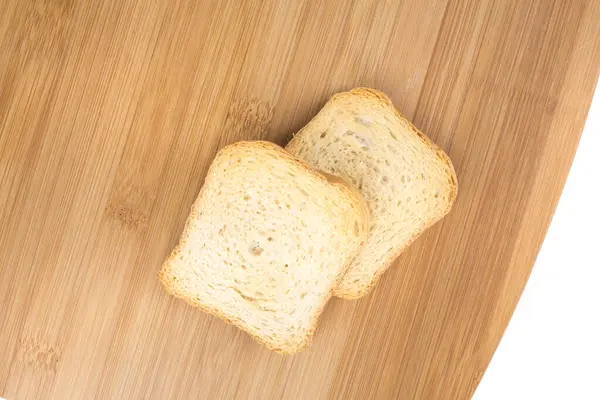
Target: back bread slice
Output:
[
  {"x": 266, "y": 242},
  {"x": 408, "y": 182}
]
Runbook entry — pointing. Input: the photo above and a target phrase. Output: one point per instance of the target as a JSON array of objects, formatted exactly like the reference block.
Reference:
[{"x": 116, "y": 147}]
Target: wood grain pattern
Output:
[{"x": 111, "y": 112}]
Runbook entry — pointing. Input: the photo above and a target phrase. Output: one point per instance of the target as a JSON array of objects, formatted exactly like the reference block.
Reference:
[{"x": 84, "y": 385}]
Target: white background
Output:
[{"x": 551, "y": 348}]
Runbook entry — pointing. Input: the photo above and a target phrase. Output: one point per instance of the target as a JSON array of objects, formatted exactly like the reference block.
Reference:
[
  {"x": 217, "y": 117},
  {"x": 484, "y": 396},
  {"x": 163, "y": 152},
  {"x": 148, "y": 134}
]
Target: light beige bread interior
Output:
[
  {"x": 266, "y": 242},
  {"x": 408, "y": 181}
]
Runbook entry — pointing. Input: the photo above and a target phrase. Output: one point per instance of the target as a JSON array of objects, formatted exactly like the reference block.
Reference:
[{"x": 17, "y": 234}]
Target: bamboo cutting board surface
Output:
[{"x": 111, "y": 112}]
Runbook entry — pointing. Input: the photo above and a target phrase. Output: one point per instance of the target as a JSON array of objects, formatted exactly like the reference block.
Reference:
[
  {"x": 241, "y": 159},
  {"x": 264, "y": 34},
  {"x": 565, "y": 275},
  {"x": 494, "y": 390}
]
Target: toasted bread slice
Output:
[
  {"x": 408, "y": 181},
  {"x": 266, "y": 243}
]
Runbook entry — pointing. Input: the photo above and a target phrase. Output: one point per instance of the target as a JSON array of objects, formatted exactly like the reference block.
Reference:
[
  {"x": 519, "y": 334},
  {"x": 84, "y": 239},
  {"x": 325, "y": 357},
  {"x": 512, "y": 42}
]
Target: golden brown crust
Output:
[{"x": 167, "y": 279}]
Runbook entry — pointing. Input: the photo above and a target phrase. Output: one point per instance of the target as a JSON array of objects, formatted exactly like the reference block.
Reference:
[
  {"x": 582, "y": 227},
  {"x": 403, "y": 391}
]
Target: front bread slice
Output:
[
  {"x": 408, "y": 182},
  {"x": 267, "y": 241}
]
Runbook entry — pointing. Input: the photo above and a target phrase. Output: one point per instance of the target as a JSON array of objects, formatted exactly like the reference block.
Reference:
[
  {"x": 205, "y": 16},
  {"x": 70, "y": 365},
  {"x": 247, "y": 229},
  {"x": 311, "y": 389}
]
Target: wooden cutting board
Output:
[{"x": 111, "y": 112}]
